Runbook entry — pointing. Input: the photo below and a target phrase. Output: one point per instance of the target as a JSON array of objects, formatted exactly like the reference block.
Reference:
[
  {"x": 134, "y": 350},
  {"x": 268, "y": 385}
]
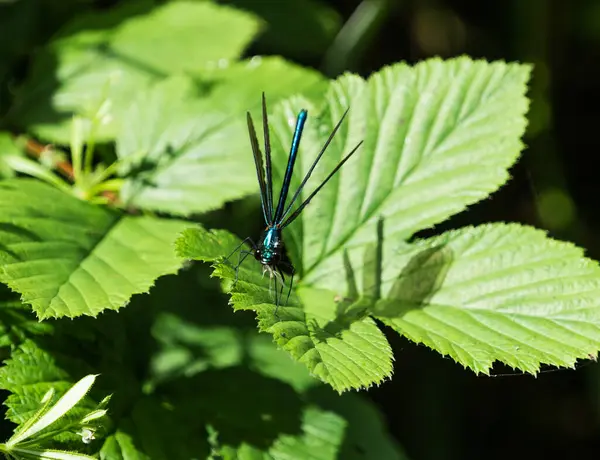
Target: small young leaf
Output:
[
  {"x": 62, "y": 406},
  {"x": 24, "y": 165},
  {"x": 69, "y": 258},
  {"x": 93, "y": 416}
]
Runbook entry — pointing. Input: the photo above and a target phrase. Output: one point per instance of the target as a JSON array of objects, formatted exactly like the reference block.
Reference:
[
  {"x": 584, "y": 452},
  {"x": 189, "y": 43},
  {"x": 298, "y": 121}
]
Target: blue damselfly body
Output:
[{"x": 269, "y": 250}]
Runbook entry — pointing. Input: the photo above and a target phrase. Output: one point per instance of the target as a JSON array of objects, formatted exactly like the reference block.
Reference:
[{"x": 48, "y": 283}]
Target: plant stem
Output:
[
  {"x": 89, "y": 154},
  {"x": 352, "y": 39},
  {"x": 35, "y": 149}
]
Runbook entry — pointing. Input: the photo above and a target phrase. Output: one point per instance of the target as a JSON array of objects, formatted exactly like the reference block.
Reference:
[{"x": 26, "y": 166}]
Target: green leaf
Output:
[
  {"x": 345, "y": 354},
  {"x": 65, "y": 404},
  {"x": 18, "y": 323},
  {"x": 99, "y": 62},
  {"x": 366, "y": 434},
  {"x": 191, "y": 339},
  {"x": 494, "y": 292},
  {"x": 190, "y": 155},
  {"x": 49, "y": 454},
  {"x": 322, "y": 436},
  {"x": 69, "y": 258},
  {"x": 30, "y": 373},
  {"x": 121, "y": 444},
  {"x": 158, "y": 432},
  {"x": 437, "y": 137}
]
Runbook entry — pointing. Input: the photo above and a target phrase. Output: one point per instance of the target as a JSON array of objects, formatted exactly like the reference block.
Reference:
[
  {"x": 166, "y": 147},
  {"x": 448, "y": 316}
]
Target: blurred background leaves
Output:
[{"x": 433, "y": 408}]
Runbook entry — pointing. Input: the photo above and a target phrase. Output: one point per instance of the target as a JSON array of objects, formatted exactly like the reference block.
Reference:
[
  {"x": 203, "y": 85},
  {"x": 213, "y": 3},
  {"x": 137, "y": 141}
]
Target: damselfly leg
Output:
[
  {"x": 292, "y": 273},
  {"x": 279, "y": 273},
  {"x": 241, "y": 256}
]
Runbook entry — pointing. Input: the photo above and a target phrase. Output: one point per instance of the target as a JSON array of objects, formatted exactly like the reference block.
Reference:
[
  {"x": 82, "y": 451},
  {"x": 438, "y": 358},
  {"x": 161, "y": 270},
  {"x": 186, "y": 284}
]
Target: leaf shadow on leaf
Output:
[
  {"x": 9, "y": 230},
  {"x": 19, "y": 231},
  {"x": 104, "y": 50},
  {"x": 356, "y": 306},
  {"x": 143, "y": 171},
  {"x": 418, "y": 281}
]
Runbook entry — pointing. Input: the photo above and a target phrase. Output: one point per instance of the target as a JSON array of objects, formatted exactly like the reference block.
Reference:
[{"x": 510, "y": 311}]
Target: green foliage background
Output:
[{"x": 129, "y": 119}]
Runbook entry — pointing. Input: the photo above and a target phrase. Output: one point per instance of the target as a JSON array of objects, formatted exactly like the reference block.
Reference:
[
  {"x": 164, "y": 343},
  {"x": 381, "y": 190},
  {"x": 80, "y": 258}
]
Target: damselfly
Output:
[{"x": 269, "y": 250}]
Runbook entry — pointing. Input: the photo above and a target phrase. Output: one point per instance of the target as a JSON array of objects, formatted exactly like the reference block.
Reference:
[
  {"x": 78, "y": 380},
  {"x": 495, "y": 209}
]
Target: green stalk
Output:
[
  {"x": 32, "y": 168},
  {"x": 355, "y": 35},
  {"x": 77, "y": 147},
  {"x": 89, "y": 153}
]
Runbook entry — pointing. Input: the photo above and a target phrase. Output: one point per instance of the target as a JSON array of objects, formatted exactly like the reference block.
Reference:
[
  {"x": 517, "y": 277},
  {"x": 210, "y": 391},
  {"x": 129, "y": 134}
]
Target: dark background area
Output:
[{"x": 436, "y": 409}]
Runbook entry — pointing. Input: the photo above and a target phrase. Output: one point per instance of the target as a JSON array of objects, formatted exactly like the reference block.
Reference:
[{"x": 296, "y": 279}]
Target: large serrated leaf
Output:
[
  {"x": 494, "y": 293},
  {"x": 437, "y": 137},
  {"x": 189, "y": 154},
  {"x": 102, "y": 60},
  {"x": 69, "y": 258}
]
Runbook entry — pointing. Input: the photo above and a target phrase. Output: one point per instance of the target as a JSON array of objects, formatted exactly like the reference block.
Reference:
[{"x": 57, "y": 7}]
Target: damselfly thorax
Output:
[{"x": 269, "y": 251}]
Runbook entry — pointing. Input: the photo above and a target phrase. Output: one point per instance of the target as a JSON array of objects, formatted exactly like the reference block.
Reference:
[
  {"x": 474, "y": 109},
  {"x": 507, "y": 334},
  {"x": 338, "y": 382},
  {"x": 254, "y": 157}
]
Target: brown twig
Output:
[{"x": 35, "y": 150}]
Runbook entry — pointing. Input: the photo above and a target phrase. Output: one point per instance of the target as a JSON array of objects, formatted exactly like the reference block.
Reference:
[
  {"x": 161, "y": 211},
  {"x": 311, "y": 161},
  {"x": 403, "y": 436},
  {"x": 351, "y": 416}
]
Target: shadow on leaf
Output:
[{"x": 420, "y": 279}]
